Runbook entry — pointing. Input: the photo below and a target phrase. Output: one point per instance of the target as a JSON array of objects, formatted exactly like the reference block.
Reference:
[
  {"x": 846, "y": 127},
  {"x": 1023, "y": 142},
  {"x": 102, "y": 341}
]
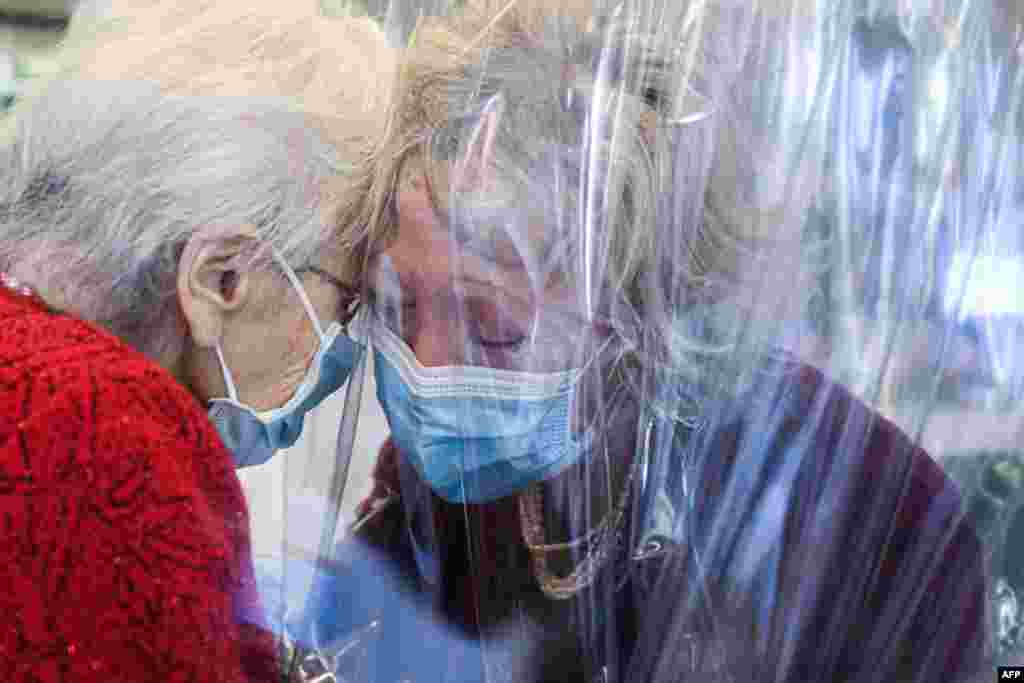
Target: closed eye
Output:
[
  {"x": 502, "y": 345},
  {"x": 491, "y": 326}
]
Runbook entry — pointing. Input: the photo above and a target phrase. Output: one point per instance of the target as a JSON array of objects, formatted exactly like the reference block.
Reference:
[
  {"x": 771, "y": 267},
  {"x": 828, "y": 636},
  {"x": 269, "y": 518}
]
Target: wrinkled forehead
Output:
[
  {"x": 432, "y": 247},
  {"x": 434, "y": 262}
]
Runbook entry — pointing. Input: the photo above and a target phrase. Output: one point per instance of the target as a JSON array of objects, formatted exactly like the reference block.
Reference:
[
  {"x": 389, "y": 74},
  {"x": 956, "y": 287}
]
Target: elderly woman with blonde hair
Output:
[
  {"x": 601, "y": 466},
  {"x": 172, "y": 305}
]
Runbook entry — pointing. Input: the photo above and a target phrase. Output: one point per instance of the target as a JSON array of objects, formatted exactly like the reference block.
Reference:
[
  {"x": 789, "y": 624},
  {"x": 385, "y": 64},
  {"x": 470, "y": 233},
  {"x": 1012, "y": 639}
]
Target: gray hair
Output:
[{"x": 104, "y": 183}]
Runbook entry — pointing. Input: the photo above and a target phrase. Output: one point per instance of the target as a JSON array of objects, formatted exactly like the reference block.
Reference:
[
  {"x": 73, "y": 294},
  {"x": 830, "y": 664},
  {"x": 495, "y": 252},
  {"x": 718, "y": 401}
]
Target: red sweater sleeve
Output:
[{"x": 125, "y": 553}]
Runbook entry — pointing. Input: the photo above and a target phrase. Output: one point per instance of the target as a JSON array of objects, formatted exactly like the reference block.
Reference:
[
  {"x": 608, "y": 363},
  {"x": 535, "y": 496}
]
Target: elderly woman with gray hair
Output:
[{"x": 171, "y": 306}]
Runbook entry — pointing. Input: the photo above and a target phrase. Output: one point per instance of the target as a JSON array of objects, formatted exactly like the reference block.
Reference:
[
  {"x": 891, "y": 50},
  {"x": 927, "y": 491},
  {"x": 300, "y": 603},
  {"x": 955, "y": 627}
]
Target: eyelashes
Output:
[
  {"x": 486, "y": 324},
  {"x": 491, "y": 326}
]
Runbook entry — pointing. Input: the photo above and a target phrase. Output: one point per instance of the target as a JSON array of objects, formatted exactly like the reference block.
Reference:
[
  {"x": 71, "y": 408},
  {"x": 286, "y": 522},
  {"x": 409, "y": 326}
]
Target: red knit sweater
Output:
[{"x": 125, "y": 549}]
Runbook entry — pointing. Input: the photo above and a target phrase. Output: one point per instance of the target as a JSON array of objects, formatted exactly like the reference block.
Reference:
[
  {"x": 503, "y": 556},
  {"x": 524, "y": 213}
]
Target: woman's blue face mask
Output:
[
  {"x": 254, "y": 436},
  {"x": 474, "y": 434}
]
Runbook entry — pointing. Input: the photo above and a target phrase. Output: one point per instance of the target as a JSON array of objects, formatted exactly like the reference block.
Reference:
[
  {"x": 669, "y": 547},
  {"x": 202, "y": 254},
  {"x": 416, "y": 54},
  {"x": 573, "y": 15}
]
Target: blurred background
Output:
[{"x": 923, "y": 324}]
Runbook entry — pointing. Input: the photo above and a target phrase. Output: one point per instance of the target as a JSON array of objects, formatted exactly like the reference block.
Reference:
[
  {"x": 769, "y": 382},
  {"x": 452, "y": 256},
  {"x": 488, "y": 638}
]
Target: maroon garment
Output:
[
  {"x": 881, "y": 576},
  {"x": 878, "y": 576},
  {"x": 126, "y": 552}
]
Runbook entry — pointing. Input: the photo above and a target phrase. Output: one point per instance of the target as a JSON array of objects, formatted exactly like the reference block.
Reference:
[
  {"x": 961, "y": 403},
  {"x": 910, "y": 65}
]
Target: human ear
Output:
[
  {"x": 212, "y": 282},
  {"x": 473, "y": 169}
]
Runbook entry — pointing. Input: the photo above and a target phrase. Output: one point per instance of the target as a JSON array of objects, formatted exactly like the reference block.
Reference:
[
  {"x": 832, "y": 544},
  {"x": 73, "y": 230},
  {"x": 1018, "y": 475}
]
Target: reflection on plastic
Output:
[
  {"x": 778, "y": 222},
  {"x": 343, "y": 660}
]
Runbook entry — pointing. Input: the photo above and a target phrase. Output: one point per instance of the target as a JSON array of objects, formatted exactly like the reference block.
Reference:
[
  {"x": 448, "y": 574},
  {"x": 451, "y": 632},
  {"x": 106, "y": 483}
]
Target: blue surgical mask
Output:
[
  {"x": 474, "y": 434},
  {"x": 254, "y": 436}
]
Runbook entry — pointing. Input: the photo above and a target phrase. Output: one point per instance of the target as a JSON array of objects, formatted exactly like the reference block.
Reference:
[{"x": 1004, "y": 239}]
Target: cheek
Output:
[
  {"x": 302, "y": 342},
  {"x": 293, "y": 363},
  {"x": 415, "y": 210},
  {"x": 284, "y": 343}
]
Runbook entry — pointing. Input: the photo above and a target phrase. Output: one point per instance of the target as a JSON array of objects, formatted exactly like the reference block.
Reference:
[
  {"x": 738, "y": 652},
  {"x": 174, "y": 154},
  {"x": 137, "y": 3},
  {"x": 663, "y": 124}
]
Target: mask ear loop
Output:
[
  {"x": 297, "y": 284},
  {"x": 226, "y": 374}
]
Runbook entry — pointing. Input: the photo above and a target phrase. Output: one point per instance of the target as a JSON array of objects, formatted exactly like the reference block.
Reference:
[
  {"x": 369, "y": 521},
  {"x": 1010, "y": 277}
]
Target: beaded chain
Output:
[{"x": 603, "y": 539}]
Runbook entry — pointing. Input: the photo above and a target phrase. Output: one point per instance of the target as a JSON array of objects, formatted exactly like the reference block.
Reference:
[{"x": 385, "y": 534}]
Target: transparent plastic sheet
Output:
[
  {"x": 687, "y": 319},
  {"x": 312, "y": 489}
]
